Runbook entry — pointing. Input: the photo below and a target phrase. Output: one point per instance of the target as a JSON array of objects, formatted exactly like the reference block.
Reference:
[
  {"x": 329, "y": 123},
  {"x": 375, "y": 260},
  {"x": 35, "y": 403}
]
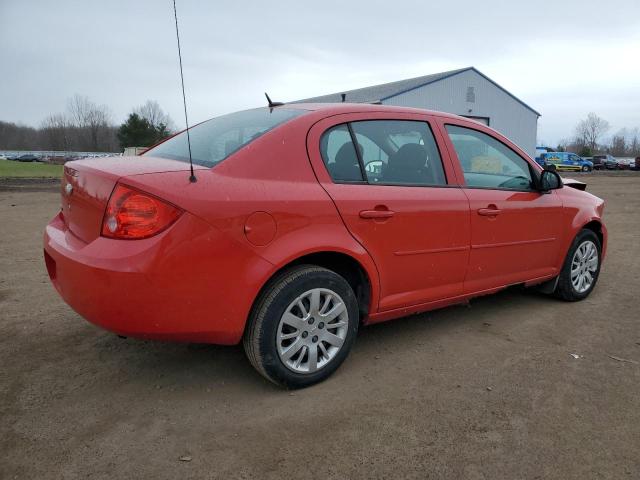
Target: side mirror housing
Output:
[{"x": 549, "y": 180}]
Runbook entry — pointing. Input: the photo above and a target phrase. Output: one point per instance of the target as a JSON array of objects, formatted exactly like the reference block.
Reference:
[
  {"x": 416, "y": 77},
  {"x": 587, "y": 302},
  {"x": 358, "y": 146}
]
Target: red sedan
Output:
[{"x": 305, "y": 222}]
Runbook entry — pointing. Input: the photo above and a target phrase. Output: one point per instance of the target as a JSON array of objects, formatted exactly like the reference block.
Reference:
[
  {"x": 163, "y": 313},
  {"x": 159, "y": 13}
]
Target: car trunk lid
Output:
[{"x": 87, "y": 186}]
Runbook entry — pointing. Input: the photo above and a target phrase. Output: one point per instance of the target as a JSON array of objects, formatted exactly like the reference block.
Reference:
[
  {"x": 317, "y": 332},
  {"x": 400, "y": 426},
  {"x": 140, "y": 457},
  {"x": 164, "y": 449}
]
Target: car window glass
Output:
[
  {"x": 488, "y": 163},
  {"x": 339, "y": 155},
  {"x": 373, "y": 157},
  {"x": 212, "y": 141},
  {"x": 399, "y": 152}
]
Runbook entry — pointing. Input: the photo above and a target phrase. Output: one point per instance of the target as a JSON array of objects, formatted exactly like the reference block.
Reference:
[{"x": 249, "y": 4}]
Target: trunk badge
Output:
[{"x": 68, "y": 189}]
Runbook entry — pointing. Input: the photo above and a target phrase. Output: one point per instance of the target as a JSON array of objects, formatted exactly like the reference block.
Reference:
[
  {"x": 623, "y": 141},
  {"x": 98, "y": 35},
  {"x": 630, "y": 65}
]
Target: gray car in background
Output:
[{"x": 605, "y": 162}]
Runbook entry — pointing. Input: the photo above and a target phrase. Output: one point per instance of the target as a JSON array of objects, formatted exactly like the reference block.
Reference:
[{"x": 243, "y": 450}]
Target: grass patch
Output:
[{"x": 9, "y": 168}]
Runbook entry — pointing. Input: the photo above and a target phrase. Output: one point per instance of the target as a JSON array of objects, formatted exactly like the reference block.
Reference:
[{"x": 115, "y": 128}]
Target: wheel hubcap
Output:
[
  {"x": 584, "y": 266},
  {"x": 312, "y": 330}
]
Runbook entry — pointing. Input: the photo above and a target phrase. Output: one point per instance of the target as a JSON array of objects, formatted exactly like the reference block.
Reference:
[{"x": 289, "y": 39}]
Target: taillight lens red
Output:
[{"x": 132, "y": 214}]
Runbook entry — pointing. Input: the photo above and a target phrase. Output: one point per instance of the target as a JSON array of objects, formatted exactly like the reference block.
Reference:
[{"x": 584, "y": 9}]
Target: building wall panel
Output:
[{"x": 453, "y": 95}]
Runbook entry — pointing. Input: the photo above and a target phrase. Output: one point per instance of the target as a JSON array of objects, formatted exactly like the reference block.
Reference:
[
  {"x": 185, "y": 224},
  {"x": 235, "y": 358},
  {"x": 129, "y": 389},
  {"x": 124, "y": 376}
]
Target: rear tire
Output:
[
  {"x": 581, "y": 267},
  {"x": 302, "y": 326}
]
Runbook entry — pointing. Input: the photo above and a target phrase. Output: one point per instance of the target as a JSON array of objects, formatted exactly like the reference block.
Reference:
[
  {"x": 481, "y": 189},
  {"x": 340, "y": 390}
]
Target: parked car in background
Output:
[
  {"x": 636, "y": 164},
  {"x": 565, "y": 161},
  {"x": 605, "y": 162},
  {"x": 28, "y": 157},
  {"x": 315, "y": 220},
  {"x": 626, "y": 163}
]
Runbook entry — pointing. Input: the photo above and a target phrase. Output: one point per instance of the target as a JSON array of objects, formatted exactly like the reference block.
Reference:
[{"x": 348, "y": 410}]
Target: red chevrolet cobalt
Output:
[{"x": 305, "y": 222}]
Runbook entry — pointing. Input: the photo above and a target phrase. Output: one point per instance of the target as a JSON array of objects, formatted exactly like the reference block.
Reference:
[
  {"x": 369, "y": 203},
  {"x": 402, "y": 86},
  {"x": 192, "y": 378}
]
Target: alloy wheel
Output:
[{"x": 312, "y": 330}]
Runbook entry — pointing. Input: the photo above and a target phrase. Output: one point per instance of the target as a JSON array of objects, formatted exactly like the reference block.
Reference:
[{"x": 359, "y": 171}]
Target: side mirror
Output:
[{"x": 549, "y": 180}]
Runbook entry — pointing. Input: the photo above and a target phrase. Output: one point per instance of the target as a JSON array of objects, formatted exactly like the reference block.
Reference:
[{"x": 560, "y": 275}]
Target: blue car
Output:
[{"x": 564, "y": 161}]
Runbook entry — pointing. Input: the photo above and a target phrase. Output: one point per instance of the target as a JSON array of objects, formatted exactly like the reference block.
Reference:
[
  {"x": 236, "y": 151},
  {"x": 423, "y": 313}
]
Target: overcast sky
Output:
[{"x": 564, "y": 58}]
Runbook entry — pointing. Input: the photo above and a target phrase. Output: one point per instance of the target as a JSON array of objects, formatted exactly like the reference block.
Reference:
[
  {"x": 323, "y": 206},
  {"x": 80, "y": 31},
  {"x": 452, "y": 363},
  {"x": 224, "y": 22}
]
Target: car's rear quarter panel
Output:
[{"x": 173, "y": 286}]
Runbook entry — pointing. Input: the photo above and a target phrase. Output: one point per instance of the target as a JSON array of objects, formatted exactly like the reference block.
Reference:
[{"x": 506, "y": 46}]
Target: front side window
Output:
[
  {"x": 488, "y": 163},
  {"x": 216, "y": 139}
]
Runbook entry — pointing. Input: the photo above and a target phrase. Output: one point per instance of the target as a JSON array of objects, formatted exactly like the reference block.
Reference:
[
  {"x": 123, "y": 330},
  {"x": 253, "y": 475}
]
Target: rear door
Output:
[
  {"x": 398, "y": 199},
  {"x": 515, "y": 229}
]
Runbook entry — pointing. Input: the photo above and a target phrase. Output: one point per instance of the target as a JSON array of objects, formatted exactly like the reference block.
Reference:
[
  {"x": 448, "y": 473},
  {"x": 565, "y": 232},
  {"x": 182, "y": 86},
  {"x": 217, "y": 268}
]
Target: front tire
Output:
[
  {"x": 581, "y": 267},
  {"x": 585, "y": 168},
  {"x": 302, "y": 326}
]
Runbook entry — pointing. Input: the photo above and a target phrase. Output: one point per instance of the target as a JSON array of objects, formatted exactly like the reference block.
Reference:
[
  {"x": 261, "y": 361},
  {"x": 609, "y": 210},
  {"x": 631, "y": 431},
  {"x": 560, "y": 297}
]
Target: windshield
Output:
[{"x": 214, "y": 140}]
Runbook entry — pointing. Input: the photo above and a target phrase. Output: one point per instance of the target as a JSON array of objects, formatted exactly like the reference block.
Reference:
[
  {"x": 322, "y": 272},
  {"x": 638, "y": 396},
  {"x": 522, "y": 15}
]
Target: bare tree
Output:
[
  {"x": 79, "y": 107},
  {"x": 589, "y": 130},
  {"x": 632, "y": 137},
  {"x": 93, "y": 118},
  {"x": 153, "y": 113},
  {"x": 618, "y": 144},
  {"x": 85, "y": 127},
  {"x": 56, "y": 131},
  {"x": 18, "y": 137}
]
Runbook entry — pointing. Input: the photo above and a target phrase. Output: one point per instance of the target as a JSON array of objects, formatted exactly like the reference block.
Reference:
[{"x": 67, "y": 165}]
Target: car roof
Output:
[{"x": 337, "y": 108}]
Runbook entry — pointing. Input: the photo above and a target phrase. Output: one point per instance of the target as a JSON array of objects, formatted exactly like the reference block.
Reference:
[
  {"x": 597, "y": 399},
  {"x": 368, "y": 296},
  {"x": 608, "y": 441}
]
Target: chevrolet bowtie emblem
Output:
[{"x": 68, "y": 189}]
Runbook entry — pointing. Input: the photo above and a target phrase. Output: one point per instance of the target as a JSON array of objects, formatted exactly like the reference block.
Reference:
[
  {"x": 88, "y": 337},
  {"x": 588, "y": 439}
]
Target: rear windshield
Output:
[{"x": 214, "y": 140}]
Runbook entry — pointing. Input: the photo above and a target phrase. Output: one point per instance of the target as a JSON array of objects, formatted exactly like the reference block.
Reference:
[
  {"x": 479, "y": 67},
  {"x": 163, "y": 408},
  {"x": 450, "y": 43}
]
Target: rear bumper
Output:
[{"x": 179, "y": 285}]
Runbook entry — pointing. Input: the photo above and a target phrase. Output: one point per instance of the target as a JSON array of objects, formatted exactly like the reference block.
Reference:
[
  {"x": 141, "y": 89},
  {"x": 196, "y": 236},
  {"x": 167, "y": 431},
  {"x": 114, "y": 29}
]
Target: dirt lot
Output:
[{"x": 486, "y": 391}]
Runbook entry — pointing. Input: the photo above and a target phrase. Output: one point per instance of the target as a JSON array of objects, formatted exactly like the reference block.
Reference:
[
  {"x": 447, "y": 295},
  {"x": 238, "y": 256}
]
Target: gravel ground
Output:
[{"x": 485, "y": 391}]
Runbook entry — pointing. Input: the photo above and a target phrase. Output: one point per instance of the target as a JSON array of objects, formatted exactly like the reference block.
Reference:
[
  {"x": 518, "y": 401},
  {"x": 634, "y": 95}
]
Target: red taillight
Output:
[{"x": 132, "y": 214}]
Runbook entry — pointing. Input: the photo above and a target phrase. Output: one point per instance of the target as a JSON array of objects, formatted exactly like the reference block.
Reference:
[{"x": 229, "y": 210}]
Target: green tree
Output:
[
  {"x": 585, "y": 151},
  {"x": 138, "y": 132}
]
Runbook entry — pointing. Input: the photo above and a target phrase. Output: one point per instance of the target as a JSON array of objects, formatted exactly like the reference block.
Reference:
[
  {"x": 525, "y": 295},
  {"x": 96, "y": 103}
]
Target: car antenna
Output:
[
  {"x": 271, "y": 103},
  {"x": 192, "y": 178}
]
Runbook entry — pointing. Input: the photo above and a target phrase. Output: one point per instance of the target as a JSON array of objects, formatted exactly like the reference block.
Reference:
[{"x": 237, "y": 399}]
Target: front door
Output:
[
  {"x": 393, "y": 196},
  {"x": 515, "y": 229}
]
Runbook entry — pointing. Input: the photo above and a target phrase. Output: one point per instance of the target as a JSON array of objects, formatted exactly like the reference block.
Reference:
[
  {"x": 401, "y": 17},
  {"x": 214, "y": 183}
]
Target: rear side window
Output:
[
  {"x": 488, "y": 163},
  {"x": 390, "y": 152},
  {"x": 340, "y": 156},
  {"x": 214, "y": 140},
  {"x": 402, "y": 152}
]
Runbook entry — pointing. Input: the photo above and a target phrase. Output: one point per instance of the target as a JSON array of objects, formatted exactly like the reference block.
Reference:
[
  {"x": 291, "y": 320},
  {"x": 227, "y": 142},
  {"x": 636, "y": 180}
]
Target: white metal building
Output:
[{"x": 466, "y": 92}]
